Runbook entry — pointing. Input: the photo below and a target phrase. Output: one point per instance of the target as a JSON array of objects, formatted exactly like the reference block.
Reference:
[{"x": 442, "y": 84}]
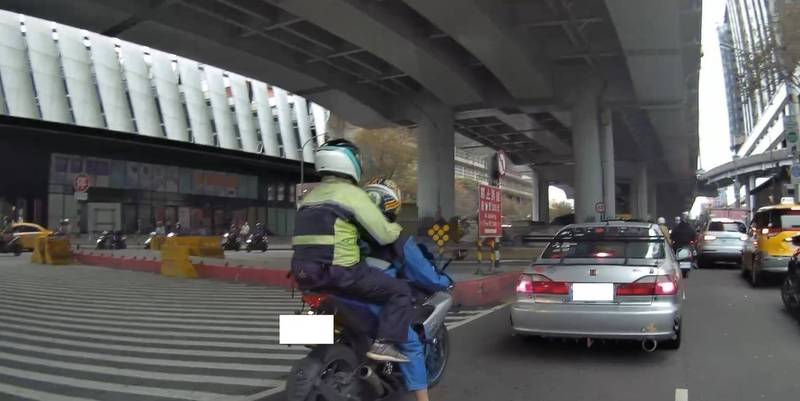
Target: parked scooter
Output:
[
  {"x": 149, "y": 241},
  {"x": 10, "y": 244},
  {"x": 231, "y": 242},
  {"x": 257, "y": 242},
  {"x": 111, "y": 240}
]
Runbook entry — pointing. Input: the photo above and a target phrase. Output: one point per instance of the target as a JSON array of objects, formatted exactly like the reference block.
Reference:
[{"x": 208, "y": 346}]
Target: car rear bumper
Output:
[
  {"x": 774, "y": 264},
  {"x": 657, "y": 321},
  {"x": 721, "y": 252}
]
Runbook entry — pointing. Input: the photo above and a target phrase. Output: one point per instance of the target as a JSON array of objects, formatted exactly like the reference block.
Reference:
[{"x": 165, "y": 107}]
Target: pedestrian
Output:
[{"x": 244, "y": 231}]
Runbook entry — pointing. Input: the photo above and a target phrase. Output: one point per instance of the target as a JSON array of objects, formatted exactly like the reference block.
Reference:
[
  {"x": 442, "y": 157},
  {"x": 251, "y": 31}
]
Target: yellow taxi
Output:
[
  {"x": 27, "y": 233},
  {"x": 770, "y": 246}
]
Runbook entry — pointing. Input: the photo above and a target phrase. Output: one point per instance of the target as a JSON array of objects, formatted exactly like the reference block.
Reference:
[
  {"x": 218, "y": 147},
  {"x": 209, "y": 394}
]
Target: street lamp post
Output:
[{"x": 303, "y": 168}]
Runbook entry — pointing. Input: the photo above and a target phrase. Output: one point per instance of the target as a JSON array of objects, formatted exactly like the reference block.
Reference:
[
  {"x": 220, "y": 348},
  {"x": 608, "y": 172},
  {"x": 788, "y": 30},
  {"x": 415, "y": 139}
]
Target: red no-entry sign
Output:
[{"x": 489, "y": 211}]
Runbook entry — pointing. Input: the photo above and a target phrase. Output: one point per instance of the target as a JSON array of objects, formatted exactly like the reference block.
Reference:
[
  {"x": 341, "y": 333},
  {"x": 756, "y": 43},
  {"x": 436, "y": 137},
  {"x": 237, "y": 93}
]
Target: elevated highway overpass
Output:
[{"x": 590, "y": 93}]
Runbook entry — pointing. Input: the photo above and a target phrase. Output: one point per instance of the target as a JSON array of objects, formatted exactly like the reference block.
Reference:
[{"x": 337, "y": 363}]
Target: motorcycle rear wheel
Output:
[
  {"x": 790, "y": 294},
  {"x": 328, "y": 370},
  {"x": 436, "y": 356}
]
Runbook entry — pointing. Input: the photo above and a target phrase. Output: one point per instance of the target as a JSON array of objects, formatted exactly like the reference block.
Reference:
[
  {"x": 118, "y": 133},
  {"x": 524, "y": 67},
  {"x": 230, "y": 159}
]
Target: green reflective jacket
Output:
[{"x": 328, "y": 221}]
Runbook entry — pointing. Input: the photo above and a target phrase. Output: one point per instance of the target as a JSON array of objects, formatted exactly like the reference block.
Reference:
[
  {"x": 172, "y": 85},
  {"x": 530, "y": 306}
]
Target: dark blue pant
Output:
[{"x": 367, "y": 284}]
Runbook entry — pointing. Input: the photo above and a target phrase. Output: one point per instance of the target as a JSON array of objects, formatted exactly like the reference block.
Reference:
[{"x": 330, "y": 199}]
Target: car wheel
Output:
[
  {"x": 790, "y": 294},
  {"x": 672, "y": 344}
]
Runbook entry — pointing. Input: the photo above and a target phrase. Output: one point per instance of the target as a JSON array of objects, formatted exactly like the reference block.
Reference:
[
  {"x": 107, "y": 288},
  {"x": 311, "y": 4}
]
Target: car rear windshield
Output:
[
  {"x": 606, "y": 242},
  {"x": 734, "y": 226}
]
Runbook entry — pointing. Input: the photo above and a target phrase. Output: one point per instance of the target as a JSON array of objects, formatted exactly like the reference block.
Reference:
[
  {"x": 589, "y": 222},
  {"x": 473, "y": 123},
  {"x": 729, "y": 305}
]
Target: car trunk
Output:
[{"x": 593, "y": 281}]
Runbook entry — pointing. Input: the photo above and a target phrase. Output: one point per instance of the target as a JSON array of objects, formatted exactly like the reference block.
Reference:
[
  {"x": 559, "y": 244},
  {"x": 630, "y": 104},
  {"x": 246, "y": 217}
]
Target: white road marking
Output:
[
  {"x": 140, "y": 340},
  {"x": 115, "y": 316},
  {"x": 681, "y": 394},
  {"x": 141, "y": 374},
  {"x": 24, "y": 312},
  {"x": 250, "y": 354},
  {"x": 120, "y": 388},
  {"x": 178, "y": 334},
  {"x": 37, "y": 395},
  {"x": 478, "y": 316}
]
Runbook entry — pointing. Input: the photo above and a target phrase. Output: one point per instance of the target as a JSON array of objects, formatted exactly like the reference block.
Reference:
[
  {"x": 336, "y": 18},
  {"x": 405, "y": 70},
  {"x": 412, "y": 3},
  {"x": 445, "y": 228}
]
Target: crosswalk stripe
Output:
[
  {"x": 170, "y": 297},
  {"x": 37, "y": 395},
  {"x": 115, "y": 316},
  {"x": 114, "y": 305},
  {"x": 151, "y": 305},
  {"x": 141, "y": 374},
  {"x": 119, "y": 388},
  {"x": 189, "y": 313},
  {"x": 154, "y": 287},
  {"x": 101, "y": 322},
  {"x": 140, "y": 340},
  {"x": 142, "y": 332},
  {"x": 250, "y": 354}
]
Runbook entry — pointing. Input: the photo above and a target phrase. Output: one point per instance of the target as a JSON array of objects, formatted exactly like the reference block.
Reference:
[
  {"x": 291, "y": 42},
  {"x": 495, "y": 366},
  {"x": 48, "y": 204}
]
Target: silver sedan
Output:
[{"x": 610, "y": 280}]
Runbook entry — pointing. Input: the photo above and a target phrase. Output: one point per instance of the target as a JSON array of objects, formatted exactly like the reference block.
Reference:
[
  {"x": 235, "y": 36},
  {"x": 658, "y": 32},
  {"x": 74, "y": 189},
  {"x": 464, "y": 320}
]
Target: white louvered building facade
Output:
[{"x": 62, "y": 74}]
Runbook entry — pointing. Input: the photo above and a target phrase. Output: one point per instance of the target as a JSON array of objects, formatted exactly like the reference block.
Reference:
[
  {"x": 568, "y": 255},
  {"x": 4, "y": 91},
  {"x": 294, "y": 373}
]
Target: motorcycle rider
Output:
[
  {"x": 328, "y": 225},
  {"x": 662, "y": 224},
  {"x": 683, "y": 233},
  {"x": 244, "y": 231},
  {"x": 387, "y": 196}
]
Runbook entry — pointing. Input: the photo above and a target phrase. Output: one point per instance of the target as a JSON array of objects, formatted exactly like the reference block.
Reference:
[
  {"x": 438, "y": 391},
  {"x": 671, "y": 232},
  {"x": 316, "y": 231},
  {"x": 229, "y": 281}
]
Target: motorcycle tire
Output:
[
  {"x": 436, "y": 356},
  {"x": 790, "y": 294},
  {"x": 325, "y": 366}
]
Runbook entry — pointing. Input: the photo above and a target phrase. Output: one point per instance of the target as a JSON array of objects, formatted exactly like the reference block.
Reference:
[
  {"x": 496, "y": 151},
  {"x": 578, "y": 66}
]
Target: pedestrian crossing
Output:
[{"x": 79, "y": 333}]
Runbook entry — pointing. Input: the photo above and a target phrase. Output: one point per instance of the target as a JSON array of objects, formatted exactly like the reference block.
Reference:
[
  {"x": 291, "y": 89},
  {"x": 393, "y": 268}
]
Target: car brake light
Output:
[
  {"x": 314, "y": 301},
  {"x": 649, "y": 285},
  {"x": 538, "y": 284},
  {"x": 709, "y": 237}
]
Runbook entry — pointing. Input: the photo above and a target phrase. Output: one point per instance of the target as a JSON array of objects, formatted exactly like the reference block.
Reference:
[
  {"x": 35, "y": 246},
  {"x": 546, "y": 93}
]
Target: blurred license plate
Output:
[
  {"x": 592, "y": 292},
  {"x": 306, "y": 329}
]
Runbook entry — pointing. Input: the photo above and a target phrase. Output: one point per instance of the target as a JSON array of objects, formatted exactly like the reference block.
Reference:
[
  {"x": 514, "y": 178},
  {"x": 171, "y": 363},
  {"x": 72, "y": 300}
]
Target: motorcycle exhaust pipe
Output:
[
  {"x": 649, "y": 345},
  {"x": 366, "y": 374}
]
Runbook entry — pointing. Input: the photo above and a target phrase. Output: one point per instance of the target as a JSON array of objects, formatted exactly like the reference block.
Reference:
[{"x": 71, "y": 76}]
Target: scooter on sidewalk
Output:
[
  {"x": 10, "y": 244},
  {"x": 231, "y": 242},
  {"x": 111, "y": 240}
]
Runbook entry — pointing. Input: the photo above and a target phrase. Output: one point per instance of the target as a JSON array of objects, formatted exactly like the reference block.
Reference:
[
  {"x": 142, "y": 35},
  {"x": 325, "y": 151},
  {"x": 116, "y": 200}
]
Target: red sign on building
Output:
[{"x": 489, "y": 211}]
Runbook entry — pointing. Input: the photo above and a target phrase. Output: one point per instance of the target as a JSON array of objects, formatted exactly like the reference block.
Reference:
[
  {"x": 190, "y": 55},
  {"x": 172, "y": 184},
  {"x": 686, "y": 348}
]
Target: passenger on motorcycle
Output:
[
  {"x": 328, "y": 226},
  {"x": 411, "y": 264}
]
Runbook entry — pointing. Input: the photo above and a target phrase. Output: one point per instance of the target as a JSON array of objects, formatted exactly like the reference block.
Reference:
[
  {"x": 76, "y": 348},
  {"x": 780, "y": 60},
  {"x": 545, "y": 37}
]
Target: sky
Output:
[{"x": 714, "y": 138}]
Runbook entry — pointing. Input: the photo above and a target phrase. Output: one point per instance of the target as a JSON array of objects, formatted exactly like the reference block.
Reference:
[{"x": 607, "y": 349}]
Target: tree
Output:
[
  {"x": 389, "y": 153},
  {"x": 774, "y": 58},
  {"x": 560, "y": 208},
  {"x": 466, "y": 194}
]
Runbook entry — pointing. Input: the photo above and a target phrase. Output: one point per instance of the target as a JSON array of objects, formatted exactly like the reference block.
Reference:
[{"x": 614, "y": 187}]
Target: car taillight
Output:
[
  {"x": 314, "y": 301},
  {"x": 709, "y": 237},
  {"x": 649, "y": 285},
  {"x": 538, "y": 284}
]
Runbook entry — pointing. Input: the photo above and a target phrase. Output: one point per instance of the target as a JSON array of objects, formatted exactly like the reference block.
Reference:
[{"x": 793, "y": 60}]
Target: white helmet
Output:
[
  {"x": 661, "y": 220},
  {"x": 339, "y": 156},
  {"x": 386, "y": 194}
]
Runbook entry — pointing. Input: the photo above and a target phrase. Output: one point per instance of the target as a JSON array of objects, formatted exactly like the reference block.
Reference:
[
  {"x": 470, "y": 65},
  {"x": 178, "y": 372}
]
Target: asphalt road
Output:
[{"x": 738, "y": 345}]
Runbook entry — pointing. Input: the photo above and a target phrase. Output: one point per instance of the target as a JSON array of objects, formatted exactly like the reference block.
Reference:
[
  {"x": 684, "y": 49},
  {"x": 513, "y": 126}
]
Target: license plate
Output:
[
  {"x": 306, "y": 329},
  {"x": 592, "y": 292}
]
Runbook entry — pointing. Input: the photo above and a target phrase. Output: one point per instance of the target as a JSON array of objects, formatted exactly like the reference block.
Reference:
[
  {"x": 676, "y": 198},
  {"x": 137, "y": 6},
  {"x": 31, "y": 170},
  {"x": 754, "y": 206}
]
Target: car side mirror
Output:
[
  {"x": 796, "y": 240},
  {"x": 683, "y": 254}
]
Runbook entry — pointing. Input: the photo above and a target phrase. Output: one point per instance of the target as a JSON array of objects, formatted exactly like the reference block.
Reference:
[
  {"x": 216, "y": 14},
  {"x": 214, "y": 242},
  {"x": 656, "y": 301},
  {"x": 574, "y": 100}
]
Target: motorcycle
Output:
[
  {"x": 111, "y": 240},
  {"x": 257, "y": 242},
  {"x": 10, "y": 244},
  {"x": 341, "y": 371},
  {"x": 148, "y": 242},
  {"x": 790, "y": 289},
  {"x": 231, "y": 242}
]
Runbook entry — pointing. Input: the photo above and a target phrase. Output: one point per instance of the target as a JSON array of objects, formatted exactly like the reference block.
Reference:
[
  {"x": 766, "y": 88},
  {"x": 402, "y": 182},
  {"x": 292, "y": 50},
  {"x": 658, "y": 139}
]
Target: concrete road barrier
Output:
[
  {"x": 175, "y": 261},
  {"x": 40, "y": 244},
  {"x": 197, "y": 246},
  {"x": 58, "y": 251}
]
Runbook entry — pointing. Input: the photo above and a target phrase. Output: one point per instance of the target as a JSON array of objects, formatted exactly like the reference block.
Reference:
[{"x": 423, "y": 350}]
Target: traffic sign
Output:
[
  {"x": 600, "y": 207},
  {"x": 502, "y": 163},
  {"x": 795, "y": 173},
  {"x": 791, "y": 137},
  {"x": 489, "y": 211},
  {"x": 81, "y": 183}
]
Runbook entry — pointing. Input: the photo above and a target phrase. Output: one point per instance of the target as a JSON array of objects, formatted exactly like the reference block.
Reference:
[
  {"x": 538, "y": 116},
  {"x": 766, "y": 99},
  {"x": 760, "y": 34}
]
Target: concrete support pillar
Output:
[
  {"x": 607, "y": 160},
  {"x": 435, "y": 164},
  {"x": 588, "y": 168},
  {"x": 542, "y": 198},
  {"x": 640, "y": 192},
  {"x": 652, "y": 201},
  {"x": 737, "y": 189},
  {"x": 750, "y": 201}
]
